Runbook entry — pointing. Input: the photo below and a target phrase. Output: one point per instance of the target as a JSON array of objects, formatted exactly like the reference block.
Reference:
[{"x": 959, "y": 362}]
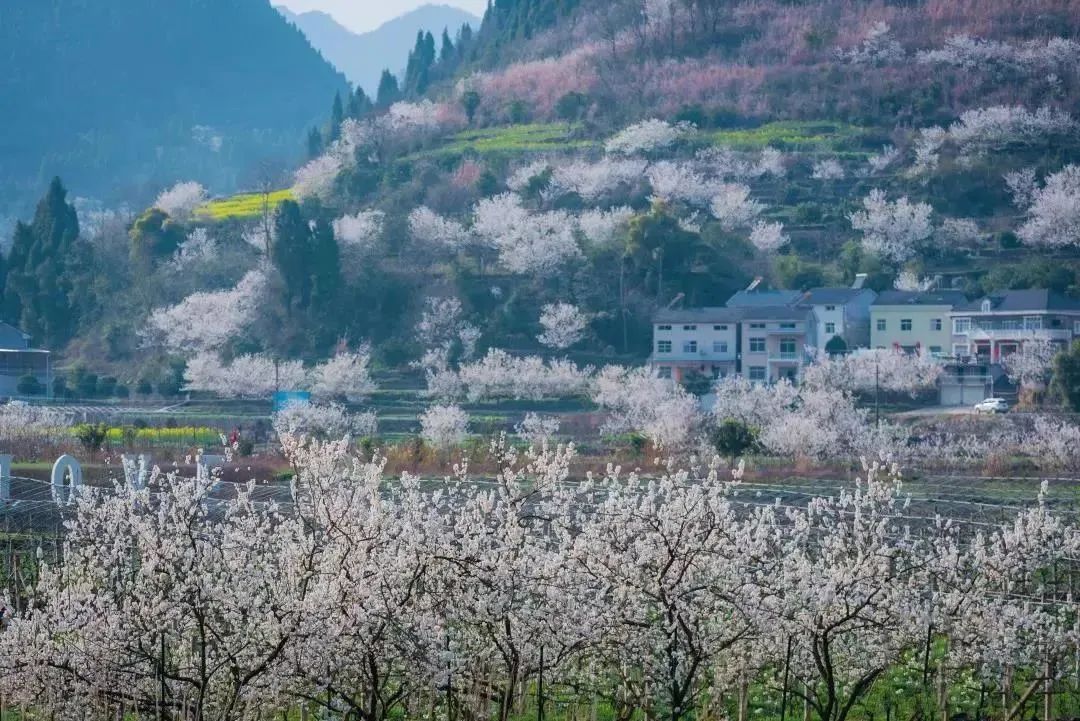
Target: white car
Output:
[{"x": 992, "y": 405}]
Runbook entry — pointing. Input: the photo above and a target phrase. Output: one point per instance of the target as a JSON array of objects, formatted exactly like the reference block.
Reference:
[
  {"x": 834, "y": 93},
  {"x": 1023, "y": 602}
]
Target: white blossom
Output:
[
  {"x": 828, "y": 169},
  {"x": 768, "y": 237},
  {"x": 208, "y": 320},
  {"x": 601, "y": 227},
  {"x": 181, "y": 200},
  {"x": 1030, "y": 365},
  {"x": 1053, "y": 218},
  {"x": 646, "y": 137},
  {"x": 360, "y": 231},
  {"x": 733, "y": 207},
  {"x": 345, "y": 375},
  {"x": 428, "y": 227},
  {"x": 564, "y": 325},
  {"x": 892, "y": 229},
  {"x": 444, "y": 426},
  {"x": 331, "y": 421}
]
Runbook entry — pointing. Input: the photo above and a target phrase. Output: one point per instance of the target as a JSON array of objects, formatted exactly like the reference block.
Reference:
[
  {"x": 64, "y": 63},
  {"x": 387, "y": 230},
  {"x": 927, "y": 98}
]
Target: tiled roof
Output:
[
  {"x": 1018, "y": 301},
  {"x": 759, "y": 298},
  {"x": 950, "y": 298},
  {"x": 12, "y": 338},
  {"x": 698, "y": 315},
  {"x": 832, "y": 296}
]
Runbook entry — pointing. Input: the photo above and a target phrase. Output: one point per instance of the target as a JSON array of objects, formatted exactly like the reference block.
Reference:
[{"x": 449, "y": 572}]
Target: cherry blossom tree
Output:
[
  {"x": 537, "y": 430},
  {"x": 346, "y": 375},
  {"x": 528, "y": 244},
  {"x": 892, "y": 229},
  {"x": 1053, "y": 217},
  {"x": 595, "y": 180},
  {"x": 733, "y": 207},
  {"x": 564, "y": 325},
  {"x": 428, "y": 227},
  {"x": 208, "y": 320},
  {"x": 1030, "y": 365},
  {"x": 879, "y": 47},
  {"x": 520, "y": 178},
  {"x": 181, "y": 200},
  {"x": 869, "y": 369},
  {"x": 828, "y": 169},
  {"x": 646, "y": 137},
  {"x": 360, "y": 231},
  {"x": 444, "y": 426},
  {"x": 879, "y": 162},
  {"x": 673, "y": 182},
  {"x": 638, "y": 400},
  {"x": 247, "y": 376},
  {"x": 601, "y": 227},
  {"x": 910, "y": 280},
  {"x": 768, "y": 237},
  {"x": 331, "y": 421}
]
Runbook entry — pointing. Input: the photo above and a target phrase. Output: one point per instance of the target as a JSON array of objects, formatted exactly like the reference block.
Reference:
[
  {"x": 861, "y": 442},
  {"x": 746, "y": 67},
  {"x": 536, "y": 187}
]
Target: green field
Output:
[
  {"x": 534, "y": 138},
  {"x": 807, "y": 136},
  {"x": 245, "y": 205}
]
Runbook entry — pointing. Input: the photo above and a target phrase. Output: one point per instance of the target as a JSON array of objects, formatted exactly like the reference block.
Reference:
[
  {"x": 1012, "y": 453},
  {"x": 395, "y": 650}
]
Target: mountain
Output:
[
  {"x": 362, "y": 57},
  {"x": 122, "y": 97}
]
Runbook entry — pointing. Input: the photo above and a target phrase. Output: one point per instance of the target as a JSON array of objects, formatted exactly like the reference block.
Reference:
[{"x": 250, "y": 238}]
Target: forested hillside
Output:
[
  {"x": 121, "y": 97},
  {"x": 580, "y": 167},
  {"x": 363, "y": 56}
]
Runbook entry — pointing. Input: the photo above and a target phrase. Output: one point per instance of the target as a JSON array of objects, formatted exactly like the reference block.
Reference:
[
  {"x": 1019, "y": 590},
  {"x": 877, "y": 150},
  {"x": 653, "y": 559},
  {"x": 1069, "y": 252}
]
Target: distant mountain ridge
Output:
[
  {"x": 121, "y": 98},
  {"x": 363, "y": 56}
]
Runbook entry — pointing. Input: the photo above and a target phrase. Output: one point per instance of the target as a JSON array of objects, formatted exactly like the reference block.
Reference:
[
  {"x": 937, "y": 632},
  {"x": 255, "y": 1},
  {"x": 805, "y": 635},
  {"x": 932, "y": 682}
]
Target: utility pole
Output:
[
  {"x": 877, "y": 390},
  {"x": 540, "y": 689}
]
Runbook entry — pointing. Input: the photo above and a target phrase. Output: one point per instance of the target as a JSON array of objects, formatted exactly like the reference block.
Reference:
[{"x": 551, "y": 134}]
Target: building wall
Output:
[
  {"x": 922, "y": 331},
  {"x": 708, "y": 358}
]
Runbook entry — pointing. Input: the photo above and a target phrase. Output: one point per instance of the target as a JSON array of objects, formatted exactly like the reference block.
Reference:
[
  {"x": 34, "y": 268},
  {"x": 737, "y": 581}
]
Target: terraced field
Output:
[{"x": 245, "y": 205}]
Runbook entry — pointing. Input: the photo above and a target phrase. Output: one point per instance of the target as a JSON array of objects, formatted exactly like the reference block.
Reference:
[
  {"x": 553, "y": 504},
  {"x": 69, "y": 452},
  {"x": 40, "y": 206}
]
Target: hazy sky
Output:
[{"x": 361, "y": 15}]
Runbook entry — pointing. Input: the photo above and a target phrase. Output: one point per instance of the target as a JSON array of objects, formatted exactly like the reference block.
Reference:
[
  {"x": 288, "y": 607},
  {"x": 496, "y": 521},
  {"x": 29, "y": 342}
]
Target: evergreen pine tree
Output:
[
  {"x": 40, "y": 281},
  {"x": 291, "y": 253},
  {"x": 337, "y": 117},
  {"x": 389, "y": 92},
  {"x": 446, "y": 54},
  {"x": 314, "y": 143},
  {"x": 360, "y": 104}
]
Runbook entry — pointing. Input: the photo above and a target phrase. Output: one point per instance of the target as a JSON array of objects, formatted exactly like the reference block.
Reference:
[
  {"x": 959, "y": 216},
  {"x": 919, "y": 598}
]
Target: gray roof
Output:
[
  {"x": 1018, "y": 301},
  {"x": 775, "y": 312},
  {"x": 832, "y": 296},
  {"x": 11, "y": 338},
  {"x": 951, "y": 298},
  {"x": 759, "y": 298},
  {"x": 697, "y": 315}
]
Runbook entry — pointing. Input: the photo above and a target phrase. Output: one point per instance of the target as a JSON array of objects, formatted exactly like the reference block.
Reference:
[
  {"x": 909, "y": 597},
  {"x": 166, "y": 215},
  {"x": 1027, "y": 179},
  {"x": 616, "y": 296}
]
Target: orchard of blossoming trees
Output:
[{"x": 687, "y": 594}]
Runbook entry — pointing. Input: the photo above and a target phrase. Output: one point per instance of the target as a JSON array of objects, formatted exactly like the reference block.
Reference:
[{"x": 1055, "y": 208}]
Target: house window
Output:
[
  {"x": 1032, "y": 322},
  {"x": 881, "y": 324},
  {"x": 961, "y": 350},
  {"x": 787, "y": 348},
  {"x": 757, "y": 373},
  {"x": 935, "y": 324},
  {"x": 961, "y": 326},
  {"x": 830, "y": 307},
  {"x": 663, "y": 372},
  {"x": 1076, "y": 327},
  {"x": 905, "y": 324},
  {"x": 663, "y": 327},
  {"x": 935, "y": 350},
  {"x": 830, "y": 328},
  {"x": 757, "y": 326},
  {"x": 719, "y": 346},
  {"x": 986, "y": 306},
  {"x": 757, "y": 345},
  {"x": 689, "y": 346},
  {"x": 663, "y": 346},
  {"x": 719, "y": 327},
  {"x": 787, "y": 326},
  {"x": 689, "y": 327}
]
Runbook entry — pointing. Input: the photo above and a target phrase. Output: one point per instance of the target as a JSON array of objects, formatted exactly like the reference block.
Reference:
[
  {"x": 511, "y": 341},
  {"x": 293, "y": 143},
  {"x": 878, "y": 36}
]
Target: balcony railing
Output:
[{"x": 782, "y": 356}]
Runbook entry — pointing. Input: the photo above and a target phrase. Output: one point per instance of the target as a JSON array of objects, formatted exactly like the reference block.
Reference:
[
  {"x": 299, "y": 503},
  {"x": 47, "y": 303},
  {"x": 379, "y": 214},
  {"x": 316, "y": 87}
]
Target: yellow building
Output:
[{"x": 914, "y": 321}]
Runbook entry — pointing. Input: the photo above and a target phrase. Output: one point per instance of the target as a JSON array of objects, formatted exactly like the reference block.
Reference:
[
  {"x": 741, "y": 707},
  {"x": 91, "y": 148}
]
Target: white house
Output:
[
  {"x": 695, "y": 340},
  {"x": 843, "y": 312}
]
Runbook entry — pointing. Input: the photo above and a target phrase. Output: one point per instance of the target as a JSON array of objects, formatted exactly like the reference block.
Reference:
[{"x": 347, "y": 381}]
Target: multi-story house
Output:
[
  {"x": 695, "y": 340},
  {"x": 914, "y": 321},
  {"x": 840, "y": 312},
  {"x": 991, "y": 328},
  {"x": 774, "y": 340}
]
